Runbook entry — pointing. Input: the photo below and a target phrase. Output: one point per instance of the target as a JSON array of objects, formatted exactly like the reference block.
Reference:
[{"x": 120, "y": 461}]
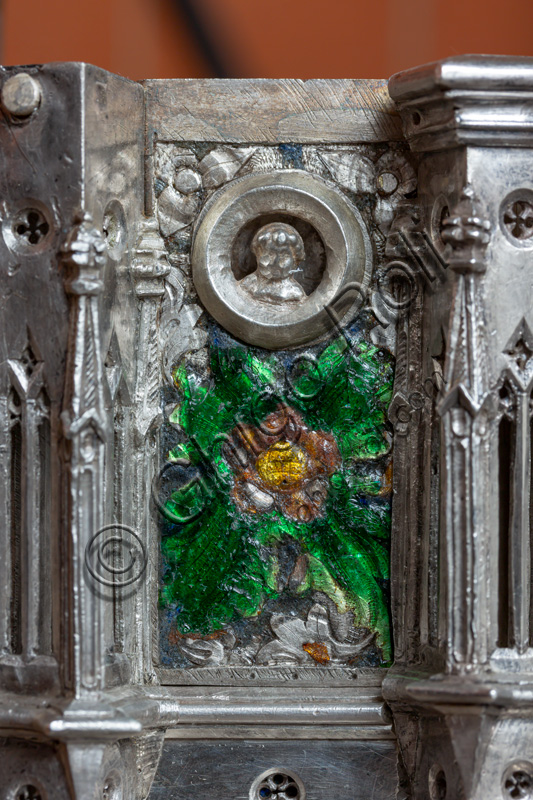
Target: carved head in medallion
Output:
[{"x": 279, "y": 249}]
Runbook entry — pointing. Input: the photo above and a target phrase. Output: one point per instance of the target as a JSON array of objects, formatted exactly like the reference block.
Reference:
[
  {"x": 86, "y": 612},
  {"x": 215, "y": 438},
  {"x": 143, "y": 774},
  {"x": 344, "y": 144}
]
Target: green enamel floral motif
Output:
[{"x": 284, "y": 451}]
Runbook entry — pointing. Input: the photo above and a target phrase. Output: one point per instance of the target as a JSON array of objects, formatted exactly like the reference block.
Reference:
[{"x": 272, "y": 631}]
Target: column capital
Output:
[{"x": 466, "y": 100}]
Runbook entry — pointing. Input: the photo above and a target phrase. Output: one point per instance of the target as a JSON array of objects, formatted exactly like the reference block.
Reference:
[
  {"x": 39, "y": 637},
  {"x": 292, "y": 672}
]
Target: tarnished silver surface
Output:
[
  {"x": 463, "y": 664},
  {"x": 345, "y": 770},
  {"x": 271, "y": 111},
  {"x": 97, "y": 309}
]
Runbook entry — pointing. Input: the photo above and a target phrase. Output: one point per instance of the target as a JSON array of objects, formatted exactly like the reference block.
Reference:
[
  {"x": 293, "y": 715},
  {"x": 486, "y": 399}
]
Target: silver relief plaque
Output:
[{"x": 274, "y": 494}]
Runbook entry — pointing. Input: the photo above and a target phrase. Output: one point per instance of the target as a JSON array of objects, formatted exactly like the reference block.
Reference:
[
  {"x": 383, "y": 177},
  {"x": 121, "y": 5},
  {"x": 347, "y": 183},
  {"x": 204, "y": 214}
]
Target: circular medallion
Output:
[{"x": 279, "y": 258}]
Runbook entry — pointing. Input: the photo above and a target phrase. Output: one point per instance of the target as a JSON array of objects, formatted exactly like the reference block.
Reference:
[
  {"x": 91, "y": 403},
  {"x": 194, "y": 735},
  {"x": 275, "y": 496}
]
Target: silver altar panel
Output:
[{"x": 117, "y": 198}]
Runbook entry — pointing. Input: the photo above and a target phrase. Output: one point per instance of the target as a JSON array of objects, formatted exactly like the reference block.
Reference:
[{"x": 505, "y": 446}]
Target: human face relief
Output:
[{"x": 275, "y": 260}]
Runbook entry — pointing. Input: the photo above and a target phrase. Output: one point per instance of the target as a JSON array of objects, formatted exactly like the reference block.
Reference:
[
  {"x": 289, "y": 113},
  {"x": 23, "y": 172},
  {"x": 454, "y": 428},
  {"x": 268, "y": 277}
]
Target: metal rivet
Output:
[{"x": 21, "y": 95}]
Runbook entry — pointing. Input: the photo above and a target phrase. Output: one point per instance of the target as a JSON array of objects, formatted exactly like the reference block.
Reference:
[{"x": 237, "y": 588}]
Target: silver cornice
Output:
[
  {"x": 125, "y": 713},
  {"x": 476, "y": 100}
]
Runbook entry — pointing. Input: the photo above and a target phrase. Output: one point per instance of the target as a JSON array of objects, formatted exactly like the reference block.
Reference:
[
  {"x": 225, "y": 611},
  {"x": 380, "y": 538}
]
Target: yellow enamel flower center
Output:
[{"x": 282, "y": 465}]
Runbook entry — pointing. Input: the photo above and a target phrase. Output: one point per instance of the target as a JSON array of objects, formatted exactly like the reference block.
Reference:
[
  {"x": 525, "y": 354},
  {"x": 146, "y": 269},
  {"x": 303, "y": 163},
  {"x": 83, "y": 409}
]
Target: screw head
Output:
[{"x": 21, "y": 95}]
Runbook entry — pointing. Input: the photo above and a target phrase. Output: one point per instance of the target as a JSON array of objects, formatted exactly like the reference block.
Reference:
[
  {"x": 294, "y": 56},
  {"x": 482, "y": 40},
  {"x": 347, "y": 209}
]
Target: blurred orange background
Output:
[{"x": 252, "y": 38}]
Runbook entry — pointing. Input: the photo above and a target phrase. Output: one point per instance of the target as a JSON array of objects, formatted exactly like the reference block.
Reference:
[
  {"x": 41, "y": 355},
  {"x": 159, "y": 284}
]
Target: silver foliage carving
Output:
[{"x": 296, "y": 640}]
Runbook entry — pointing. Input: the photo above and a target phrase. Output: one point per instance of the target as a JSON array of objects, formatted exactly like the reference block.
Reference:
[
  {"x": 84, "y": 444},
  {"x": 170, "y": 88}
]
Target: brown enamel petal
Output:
[
  {"x": 318, "y": 651},
  {"x": 323, "y": 449},
  {"x": 299, "y": 507},
  {"x": 283, "y": 423}
]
